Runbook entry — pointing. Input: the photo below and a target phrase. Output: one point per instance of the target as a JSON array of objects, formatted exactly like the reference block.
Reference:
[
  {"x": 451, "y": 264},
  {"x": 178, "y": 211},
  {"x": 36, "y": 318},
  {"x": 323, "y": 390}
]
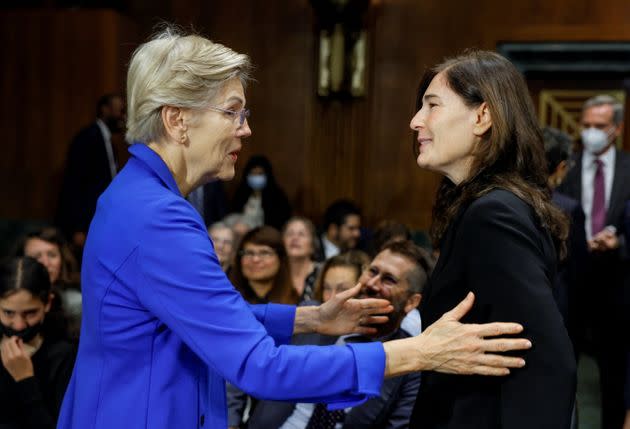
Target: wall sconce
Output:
[{"x": 342, "y": 59}]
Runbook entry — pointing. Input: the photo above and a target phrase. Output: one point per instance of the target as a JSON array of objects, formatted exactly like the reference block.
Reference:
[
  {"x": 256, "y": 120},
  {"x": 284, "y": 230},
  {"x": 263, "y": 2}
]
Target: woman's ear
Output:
[
  {"x": 174, "y": 124},
  {"x": 483, "y": 121}
]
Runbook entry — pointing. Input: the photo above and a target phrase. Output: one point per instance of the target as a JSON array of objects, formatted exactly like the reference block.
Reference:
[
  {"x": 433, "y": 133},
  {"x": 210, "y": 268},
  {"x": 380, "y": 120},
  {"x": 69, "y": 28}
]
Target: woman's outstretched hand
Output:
[
  {"x": 343, "y": 314},
  {"x": 452, "y": 347}
]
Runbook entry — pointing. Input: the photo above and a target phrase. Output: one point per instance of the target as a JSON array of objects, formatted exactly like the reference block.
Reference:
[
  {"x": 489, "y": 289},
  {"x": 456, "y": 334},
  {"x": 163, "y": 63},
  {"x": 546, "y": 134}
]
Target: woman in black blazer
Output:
[{"x": 500, "y": 237}]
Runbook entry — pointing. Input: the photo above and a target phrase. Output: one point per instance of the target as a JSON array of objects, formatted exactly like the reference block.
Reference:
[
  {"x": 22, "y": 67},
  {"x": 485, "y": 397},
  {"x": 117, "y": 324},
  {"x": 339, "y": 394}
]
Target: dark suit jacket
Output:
[
  {"x": 606, "y": 270},
  {"x": 86, "y": 176},
  {"x": 569, "y": 281},
  {"x": 391, "y": 410},
  {"x": 496, "y": 248}
]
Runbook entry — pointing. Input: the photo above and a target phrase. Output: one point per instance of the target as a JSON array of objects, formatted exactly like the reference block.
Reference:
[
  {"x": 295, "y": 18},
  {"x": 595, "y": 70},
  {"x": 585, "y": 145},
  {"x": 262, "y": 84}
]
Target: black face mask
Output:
[{"x": 26, "y": 334}]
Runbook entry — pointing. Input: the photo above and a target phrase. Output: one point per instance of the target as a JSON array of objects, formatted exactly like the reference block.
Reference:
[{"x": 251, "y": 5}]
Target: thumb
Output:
[
  {"x": 461, "y": 309},
  {"x": 350, "y": 293}
]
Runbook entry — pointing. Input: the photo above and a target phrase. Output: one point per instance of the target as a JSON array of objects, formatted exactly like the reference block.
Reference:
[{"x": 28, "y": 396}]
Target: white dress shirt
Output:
[
  {"x": 330, "y": 249},
  {"x": 107, "y": 136},
  {"x": 588, "y": 177}
]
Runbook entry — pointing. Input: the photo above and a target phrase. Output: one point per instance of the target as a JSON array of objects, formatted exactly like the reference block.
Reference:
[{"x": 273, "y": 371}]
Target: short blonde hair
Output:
[{"x": 176, "y": 70}]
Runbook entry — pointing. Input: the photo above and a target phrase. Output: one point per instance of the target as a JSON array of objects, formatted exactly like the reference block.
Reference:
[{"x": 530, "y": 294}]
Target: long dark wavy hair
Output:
[
  {"x": 510, "y": 155},
  {"x": 282, "y": 291}
]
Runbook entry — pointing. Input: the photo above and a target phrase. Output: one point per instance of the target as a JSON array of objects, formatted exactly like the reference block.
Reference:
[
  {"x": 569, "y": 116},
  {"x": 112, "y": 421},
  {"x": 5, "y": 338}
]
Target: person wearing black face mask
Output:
[
  {"x": 91, "y": 164},
  {"x": 36, "y": 365},
  {"x": 259, "y": 197}
]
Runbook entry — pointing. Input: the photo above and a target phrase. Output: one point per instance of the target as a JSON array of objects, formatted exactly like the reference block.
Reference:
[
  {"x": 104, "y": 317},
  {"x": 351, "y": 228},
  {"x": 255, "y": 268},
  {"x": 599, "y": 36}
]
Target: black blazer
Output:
[
  {"x": 569, "y": 282},
  {"x": 390, "y": 410},
  {"x": 497, "y": 249},
  {"x": 86, "y": 176}
]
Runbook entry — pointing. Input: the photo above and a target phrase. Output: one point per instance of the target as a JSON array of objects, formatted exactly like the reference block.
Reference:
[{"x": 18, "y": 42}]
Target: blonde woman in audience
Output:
[
  {"x": 302, "y": 246},
  {"x": 223, "y": 239},
  {"x": 339, "y": 273},
  {"x": 36, "y": 361}
]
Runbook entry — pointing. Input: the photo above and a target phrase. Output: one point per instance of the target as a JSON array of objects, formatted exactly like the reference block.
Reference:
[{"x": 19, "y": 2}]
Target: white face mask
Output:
[{"x": 595, "y": 140}]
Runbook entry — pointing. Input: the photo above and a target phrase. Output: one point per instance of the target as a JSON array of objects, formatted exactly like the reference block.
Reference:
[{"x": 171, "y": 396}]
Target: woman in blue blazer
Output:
[{"x": 163, "y": 328}]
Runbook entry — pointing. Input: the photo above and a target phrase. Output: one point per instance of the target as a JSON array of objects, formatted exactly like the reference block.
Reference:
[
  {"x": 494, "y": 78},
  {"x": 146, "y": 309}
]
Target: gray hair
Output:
[
  {"x": 178, "y": 70},
  {"x": 603, "y": 100}
]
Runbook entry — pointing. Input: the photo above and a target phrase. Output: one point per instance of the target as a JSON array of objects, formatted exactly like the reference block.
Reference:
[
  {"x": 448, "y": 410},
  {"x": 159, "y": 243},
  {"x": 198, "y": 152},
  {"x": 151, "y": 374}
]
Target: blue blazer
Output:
[{"x": 163, "y": 328}]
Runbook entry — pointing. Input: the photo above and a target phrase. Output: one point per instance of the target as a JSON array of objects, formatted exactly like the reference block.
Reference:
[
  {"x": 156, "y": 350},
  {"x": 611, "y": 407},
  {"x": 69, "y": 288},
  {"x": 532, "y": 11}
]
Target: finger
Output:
[
  {"x": 347, "y": 294},
  {"x": 374, "y": 320},
  {"x": 462, "y": 308},
  {"x": 13, "y": 347},
  {"x": 374, "y": 305},
  {"x": 364, "y": 330},
  {"x": 497, "y": 328},
  {"x": 490, "y": 370},
  {"x": 505, "y": 345},
  {"x": 500, "y": 361}
]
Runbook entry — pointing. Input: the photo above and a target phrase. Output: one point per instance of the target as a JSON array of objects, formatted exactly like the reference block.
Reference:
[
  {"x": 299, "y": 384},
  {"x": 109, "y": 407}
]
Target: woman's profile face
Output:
[
  {"x": 22, "y": 309},
  {"x": 214, "y": 137},
  {"x": 297, "y": 240},
  {"x": 337, "y": 280},
  {"x": 259, "y": 262},
  {"x": 445, "y": 127},
  {"x": 48, "y": 254}
]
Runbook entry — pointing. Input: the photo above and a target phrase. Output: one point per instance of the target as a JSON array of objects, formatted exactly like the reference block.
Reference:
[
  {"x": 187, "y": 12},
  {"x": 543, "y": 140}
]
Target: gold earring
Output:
[{"x": 183, "y": 137}]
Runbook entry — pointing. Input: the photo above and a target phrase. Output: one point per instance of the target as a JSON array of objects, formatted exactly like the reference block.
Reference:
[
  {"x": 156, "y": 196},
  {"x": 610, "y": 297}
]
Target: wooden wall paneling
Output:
[{"x": 59, "y": 63}]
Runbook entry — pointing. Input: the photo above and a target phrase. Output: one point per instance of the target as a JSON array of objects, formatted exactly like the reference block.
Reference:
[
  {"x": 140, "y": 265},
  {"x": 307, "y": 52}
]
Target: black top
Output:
[
  {"x": 497, "y": 249},
  {"x": 35, "y": 401}
]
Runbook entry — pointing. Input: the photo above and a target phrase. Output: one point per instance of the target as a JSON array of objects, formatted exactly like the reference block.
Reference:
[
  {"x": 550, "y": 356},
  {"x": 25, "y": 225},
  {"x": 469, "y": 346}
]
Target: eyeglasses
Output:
[
  {"x": 241, "y": 114},
  {"x": 250, "y": 254}
]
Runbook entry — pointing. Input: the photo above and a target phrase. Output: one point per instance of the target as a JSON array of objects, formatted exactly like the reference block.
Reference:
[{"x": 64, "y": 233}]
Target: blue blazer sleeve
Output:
[{"x": 182, "y": 284}]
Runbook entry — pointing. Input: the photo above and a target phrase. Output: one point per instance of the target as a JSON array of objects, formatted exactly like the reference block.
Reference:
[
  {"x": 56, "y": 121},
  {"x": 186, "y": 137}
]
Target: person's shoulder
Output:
[{"x": 495, "y": 202}]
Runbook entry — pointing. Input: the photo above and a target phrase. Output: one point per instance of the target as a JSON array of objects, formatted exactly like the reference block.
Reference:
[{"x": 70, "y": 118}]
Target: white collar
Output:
[{"x": 107, "y": 135}]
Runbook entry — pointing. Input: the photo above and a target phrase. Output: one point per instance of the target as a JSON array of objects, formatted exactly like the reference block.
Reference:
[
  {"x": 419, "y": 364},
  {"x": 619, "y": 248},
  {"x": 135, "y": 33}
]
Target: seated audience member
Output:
[
  {"x": 398, "y": 273},
  {"x": 223, "y": 239},
  {"x": 340, "y": 273},
  {"x": 342, "y": 228},
  {"x": 259, "y": 197},
  {"x": 261, "y": 271},
  {"x": 36, "y": 364},
  {"x": 386, "y": 231},
  {"x": 569, "y": 290},
  {"x": 261, "y": 274},
  {"x": 48, "y": 246},
  {"x": 302, "y": 246}
]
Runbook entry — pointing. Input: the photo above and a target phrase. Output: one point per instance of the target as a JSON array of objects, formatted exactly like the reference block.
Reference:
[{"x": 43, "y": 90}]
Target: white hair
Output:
[
  {"x": 178, "y": 70},
  {"x": 606, "y": 100}
]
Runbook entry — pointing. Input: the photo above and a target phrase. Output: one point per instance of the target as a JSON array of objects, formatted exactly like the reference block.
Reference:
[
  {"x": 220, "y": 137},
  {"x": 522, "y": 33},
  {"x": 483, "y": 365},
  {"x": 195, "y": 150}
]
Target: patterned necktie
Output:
[
  {"x": 598, "y": 211},
  {"x": 324, "y": 419}
]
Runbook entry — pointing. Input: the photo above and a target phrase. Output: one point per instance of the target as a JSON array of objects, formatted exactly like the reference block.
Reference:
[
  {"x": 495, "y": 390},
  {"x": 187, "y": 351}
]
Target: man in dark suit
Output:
[
  {"x": 398, "y": 273},
  {"x": 569, "y": 283},
  {"x": 90, "y": 167},
  {"x": 600, "y": 180}
]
